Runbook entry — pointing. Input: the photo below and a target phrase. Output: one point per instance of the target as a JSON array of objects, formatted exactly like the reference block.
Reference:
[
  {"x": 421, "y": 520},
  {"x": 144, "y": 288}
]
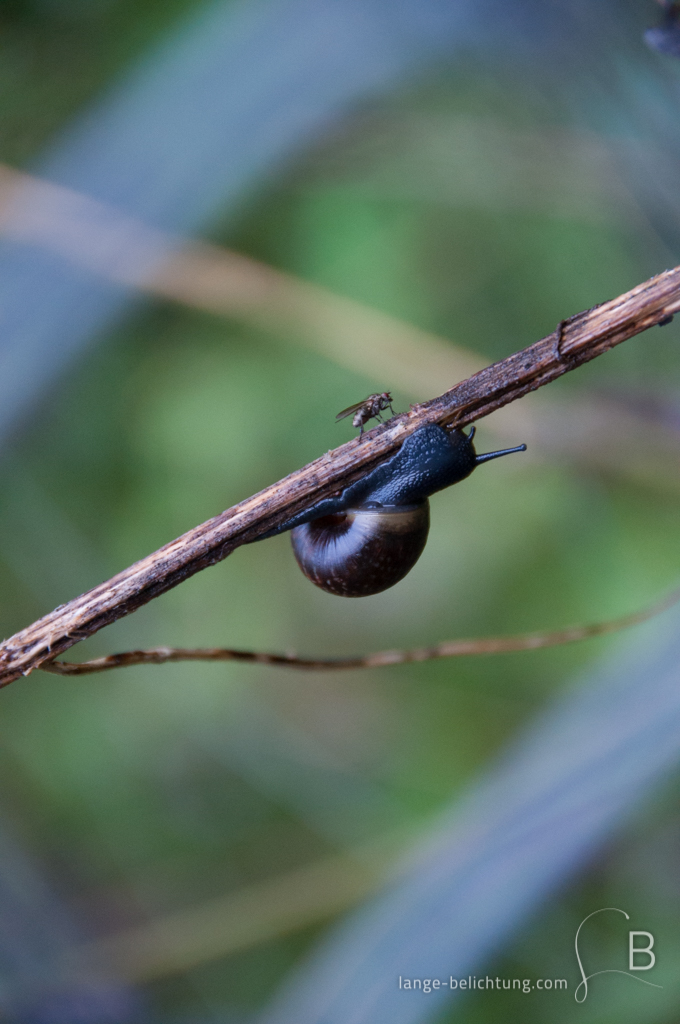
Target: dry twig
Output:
[{"x": 576, "y": 341}]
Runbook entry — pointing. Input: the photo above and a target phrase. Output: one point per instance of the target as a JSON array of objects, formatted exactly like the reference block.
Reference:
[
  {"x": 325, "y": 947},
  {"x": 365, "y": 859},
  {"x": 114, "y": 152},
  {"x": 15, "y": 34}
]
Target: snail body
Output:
[{"x": 368, "y": 537}]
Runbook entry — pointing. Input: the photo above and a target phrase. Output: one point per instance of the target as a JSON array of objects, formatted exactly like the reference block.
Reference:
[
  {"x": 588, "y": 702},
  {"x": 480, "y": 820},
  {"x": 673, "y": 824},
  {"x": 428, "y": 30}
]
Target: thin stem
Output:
[{"x": 447, "y": 649}]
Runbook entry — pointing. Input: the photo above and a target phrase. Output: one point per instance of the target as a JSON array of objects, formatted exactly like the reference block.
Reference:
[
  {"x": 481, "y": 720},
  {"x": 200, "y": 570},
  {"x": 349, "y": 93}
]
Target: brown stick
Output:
[
  {"x": 578, "y": 340},
  {"x": 447, "y": 649}
]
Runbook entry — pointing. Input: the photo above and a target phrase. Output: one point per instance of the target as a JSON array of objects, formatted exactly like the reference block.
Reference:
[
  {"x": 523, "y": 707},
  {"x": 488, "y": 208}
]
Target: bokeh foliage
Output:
[{"x": 133, "y": 790}]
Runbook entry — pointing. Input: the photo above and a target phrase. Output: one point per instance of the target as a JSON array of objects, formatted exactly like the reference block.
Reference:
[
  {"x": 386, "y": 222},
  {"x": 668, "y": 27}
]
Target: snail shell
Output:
[
  {"x": 362, "y": 551},
  {"x": 370, "y": 535}
]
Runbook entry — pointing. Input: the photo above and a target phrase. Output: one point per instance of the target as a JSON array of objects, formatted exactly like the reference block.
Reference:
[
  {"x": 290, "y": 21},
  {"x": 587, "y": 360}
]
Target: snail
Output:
[{"x": 368, "y": 537}]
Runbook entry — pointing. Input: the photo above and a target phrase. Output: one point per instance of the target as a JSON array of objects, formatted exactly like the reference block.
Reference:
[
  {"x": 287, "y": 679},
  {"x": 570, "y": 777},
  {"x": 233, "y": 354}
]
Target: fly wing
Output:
[{"x": 349, "y": 410}]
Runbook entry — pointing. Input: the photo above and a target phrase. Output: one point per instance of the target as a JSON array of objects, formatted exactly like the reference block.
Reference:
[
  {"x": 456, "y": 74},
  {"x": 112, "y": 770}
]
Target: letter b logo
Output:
[{"x": 640, "y": 950}]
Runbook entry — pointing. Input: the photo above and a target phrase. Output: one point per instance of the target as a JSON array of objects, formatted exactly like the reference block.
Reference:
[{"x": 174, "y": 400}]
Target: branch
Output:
[
  {"x": 447, "y": 649},
  {"x": 576, "y": 341}
]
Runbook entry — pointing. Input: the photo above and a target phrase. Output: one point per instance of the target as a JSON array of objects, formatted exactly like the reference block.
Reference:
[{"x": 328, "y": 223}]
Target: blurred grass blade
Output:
[
  {"x": 35, "y": 928},
  {"x": 600, "y": 432},
  {"x": 199, "y": 123},
  {"x": 522, "y": 831}
]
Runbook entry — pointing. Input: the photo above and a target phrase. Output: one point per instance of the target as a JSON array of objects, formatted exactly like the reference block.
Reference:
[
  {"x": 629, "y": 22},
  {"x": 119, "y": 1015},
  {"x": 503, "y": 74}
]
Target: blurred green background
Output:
[{"x": 153, "y": 791}]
